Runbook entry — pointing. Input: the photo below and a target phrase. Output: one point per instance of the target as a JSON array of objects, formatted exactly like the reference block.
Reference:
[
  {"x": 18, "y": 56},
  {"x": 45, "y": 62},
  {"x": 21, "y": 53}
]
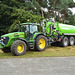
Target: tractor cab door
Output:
[
  {"x": 25, "y": 29},
  {"x": 33, "y": 30}
]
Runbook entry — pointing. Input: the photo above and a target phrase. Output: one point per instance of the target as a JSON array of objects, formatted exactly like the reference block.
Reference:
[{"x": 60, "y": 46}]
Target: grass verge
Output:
[{"x": 51, "y": 51}]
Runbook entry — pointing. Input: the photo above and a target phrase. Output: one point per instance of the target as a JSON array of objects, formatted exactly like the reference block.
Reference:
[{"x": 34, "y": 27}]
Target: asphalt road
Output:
[{"x": 38, "y": 66}]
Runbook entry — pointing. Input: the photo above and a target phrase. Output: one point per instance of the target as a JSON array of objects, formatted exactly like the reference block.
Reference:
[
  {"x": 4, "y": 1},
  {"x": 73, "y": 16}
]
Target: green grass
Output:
[{"x": 51, "y": 51}]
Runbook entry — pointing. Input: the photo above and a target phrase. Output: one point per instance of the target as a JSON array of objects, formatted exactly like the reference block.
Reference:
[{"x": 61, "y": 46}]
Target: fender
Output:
[
  {"x": 23, "y": 40},
  {"x": 38, "y": 35}
]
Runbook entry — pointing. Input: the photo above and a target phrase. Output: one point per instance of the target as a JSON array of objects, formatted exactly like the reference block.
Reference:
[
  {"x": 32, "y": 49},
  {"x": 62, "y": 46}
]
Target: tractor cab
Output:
[{"x": 29, "y": 29}]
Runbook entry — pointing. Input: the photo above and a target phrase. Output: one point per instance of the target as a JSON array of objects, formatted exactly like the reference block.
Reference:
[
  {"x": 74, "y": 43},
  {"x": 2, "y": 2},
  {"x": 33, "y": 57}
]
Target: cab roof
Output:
[{"x": 28, "y": 23}]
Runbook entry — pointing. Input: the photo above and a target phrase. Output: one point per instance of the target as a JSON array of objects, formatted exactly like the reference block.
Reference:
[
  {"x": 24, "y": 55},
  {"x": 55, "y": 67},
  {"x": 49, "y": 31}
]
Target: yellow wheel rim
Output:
[
  {"x": 20, "y": 48},
  {"x": 42, "y": 43}
]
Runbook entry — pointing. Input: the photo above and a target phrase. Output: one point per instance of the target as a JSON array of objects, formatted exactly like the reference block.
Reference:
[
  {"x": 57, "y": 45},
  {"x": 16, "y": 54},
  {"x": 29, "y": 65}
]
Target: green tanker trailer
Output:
[
  {"x": 29, "y": 37},
  {"x": 60, "y": 34}
]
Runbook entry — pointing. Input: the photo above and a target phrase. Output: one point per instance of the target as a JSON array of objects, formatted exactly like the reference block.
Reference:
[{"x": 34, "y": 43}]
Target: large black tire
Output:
[
  {"x": 71, "y": 41},
  {"x": 18, "y": 48},
  {"x": 64, "y": 42},
  {"x": 41, "y": 43},
  {"x": 6, "y": 50}
]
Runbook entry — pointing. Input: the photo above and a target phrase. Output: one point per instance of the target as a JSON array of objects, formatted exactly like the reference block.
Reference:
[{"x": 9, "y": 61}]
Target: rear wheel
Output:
[
  {"x": 64, "y": 42},
  {"x": 71, "y": 41},
  {"x": 41, "y": 43},
  {"x": 18, "y": 48},
  {"x": 6, "y": 50}
]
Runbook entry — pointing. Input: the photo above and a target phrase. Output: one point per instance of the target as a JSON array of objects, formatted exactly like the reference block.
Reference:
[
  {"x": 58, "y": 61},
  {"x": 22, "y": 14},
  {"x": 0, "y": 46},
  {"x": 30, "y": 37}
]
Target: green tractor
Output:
[{"x": 28, "y": 36}]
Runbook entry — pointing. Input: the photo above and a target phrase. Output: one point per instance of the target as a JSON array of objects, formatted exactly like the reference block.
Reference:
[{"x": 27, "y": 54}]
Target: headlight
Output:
[
  {"x": 5, "y": 40},
  {"x": 1, "y": 39}
]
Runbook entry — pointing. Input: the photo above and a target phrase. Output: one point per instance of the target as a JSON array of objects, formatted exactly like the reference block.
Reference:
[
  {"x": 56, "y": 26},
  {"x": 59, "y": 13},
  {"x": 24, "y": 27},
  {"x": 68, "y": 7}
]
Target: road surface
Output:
[{"x": 38, "y": 66}]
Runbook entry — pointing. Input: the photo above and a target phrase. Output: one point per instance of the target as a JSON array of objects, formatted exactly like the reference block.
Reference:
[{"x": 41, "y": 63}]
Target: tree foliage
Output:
[
  {"x": 22, "y": 16},
  {"x": 12, "y": 11}
]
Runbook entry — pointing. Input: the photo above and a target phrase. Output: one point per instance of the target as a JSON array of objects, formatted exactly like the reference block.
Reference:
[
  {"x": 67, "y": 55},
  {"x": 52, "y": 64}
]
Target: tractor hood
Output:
[
  {"x": 15, "y": 34},
  {"x": 7, "y": 39}
]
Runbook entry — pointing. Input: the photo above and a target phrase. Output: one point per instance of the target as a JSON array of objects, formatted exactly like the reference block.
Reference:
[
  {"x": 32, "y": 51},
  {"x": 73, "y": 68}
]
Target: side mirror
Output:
[{"x": 18, "y": 26}]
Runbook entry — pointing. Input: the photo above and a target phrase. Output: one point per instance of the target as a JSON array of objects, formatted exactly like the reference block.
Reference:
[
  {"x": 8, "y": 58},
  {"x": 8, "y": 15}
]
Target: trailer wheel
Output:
[
  {"x": 41, "y": 43},
  {"x": 18, "y": 48},
  {"x": 64, "y": 42},
  {"x": 71, "y": 41},
  {"x": 6, "y": 50}
]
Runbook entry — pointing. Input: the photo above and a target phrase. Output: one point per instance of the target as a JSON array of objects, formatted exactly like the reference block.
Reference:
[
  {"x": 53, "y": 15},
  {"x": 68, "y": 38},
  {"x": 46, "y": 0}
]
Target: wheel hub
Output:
[
  {"x": 42, "y": 43},
  {"x": 20, "y": 48}
]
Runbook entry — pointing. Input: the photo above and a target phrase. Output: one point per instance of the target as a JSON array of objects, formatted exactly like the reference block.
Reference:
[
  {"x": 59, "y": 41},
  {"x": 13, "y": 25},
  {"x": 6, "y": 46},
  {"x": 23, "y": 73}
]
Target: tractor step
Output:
[{"x": 31, "y": 45}]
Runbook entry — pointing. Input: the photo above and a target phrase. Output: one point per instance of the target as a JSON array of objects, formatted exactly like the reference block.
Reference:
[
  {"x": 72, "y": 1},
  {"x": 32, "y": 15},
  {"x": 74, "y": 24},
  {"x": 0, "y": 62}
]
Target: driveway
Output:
[{"x": 38, "y": 66}]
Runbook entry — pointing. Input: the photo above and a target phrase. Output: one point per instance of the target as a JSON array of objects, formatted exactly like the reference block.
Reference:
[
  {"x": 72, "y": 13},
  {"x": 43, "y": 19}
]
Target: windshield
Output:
[{"x": 33, "y": 28}]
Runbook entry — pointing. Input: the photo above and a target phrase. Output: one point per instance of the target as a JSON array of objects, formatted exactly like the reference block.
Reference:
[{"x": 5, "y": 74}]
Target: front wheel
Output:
[
  {"x": 18, "y": 48},
  {"x": 41, "y": 43}
]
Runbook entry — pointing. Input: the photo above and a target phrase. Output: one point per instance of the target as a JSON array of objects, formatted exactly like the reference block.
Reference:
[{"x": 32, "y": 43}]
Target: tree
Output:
[
  {"x": 11, "y": 11},
  {"x": 22, "y": 16},
  {"x": 62, "y": 8}
]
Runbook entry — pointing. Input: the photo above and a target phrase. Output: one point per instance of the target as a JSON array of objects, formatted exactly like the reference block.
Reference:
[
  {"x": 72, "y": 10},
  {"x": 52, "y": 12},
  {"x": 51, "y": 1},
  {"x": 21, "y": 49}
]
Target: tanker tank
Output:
[{"x": 64, "y": 28}]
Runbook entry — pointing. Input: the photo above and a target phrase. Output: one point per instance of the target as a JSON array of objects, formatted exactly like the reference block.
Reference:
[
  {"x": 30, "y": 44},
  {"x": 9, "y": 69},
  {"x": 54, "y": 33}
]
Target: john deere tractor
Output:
[{"x": 27, "y": 36}]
